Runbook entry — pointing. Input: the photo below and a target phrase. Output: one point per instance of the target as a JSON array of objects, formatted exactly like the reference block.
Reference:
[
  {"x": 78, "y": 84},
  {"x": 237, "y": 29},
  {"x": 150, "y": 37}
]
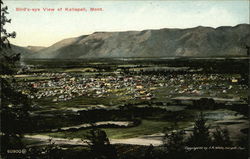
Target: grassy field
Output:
[
  {"x": 147, "y": 127},
  {"x": 82, "y": 101}
]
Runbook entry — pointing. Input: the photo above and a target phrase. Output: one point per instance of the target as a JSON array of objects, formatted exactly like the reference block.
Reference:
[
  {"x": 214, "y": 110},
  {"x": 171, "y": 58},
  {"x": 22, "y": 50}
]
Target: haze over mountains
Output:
[
  {"x": 27, "y": 51},
  {"x": 198, "y": 41}
]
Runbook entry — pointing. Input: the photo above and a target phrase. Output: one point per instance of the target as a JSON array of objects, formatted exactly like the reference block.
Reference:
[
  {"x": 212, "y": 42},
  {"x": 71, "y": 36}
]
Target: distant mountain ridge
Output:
[
  {"x": 198, "y": 41},
  {"x": 26, "y": 51}
]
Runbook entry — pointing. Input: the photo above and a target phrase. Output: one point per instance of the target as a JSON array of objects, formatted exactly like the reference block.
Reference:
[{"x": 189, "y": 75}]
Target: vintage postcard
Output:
[{"x": 124, "y": 79}]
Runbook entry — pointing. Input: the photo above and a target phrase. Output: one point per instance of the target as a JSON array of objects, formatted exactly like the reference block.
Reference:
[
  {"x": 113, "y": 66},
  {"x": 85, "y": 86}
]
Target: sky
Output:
[{"x": 44, "y": 28}]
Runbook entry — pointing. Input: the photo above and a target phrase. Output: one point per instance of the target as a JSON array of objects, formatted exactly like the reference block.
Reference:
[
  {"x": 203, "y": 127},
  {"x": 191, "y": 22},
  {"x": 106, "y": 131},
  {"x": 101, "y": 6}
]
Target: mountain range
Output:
[{"x": 198, "y": 41}]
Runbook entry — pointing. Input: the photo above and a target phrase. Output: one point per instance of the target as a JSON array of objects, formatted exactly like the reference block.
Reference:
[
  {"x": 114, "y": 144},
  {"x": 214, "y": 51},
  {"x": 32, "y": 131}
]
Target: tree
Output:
[
  {"x": 99, "y": 144},
  {"x": 200, "y": 135},
  {"x": 174, "y": 143},
  {"x": 14, "y": 104},
  {"x": 7, "y": 57},
  {"x": 221, "y": 137},
  {"x": 248, "y": 50},
  {"x": 149, "y": 152}
]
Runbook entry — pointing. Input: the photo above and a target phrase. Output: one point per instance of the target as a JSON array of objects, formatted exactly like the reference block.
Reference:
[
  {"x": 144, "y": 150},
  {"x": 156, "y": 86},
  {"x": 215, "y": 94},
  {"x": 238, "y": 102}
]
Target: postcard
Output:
[{"x": 124, "y": 79}]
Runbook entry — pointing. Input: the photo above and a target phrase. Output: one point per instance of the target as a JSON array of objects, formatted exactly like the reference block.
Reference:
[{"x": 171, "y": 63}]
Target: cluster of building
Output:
[{"x": 66, "y": 86}]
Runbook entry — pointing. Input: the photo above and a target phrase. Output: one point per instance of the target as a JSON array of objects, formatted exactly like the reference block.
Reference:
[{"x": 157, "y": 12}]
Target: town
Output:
[{"x": 65, "y": 86}]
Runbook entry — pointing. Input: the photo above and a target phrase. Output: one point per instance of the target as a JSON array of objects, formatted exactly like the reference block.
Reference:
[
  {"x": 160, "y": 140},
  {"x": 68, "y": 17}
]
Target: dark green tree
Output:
[
  {"x": 14, "y": 104},
  {"x": 99, "y": 145},
  {"x": 200, "y": 135},
  {"x": 149, "y": 152},
  {"x": 7, "y": 57},
  {"x": 221, "y": 137},
  {"x": 174, "y": 144}
]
